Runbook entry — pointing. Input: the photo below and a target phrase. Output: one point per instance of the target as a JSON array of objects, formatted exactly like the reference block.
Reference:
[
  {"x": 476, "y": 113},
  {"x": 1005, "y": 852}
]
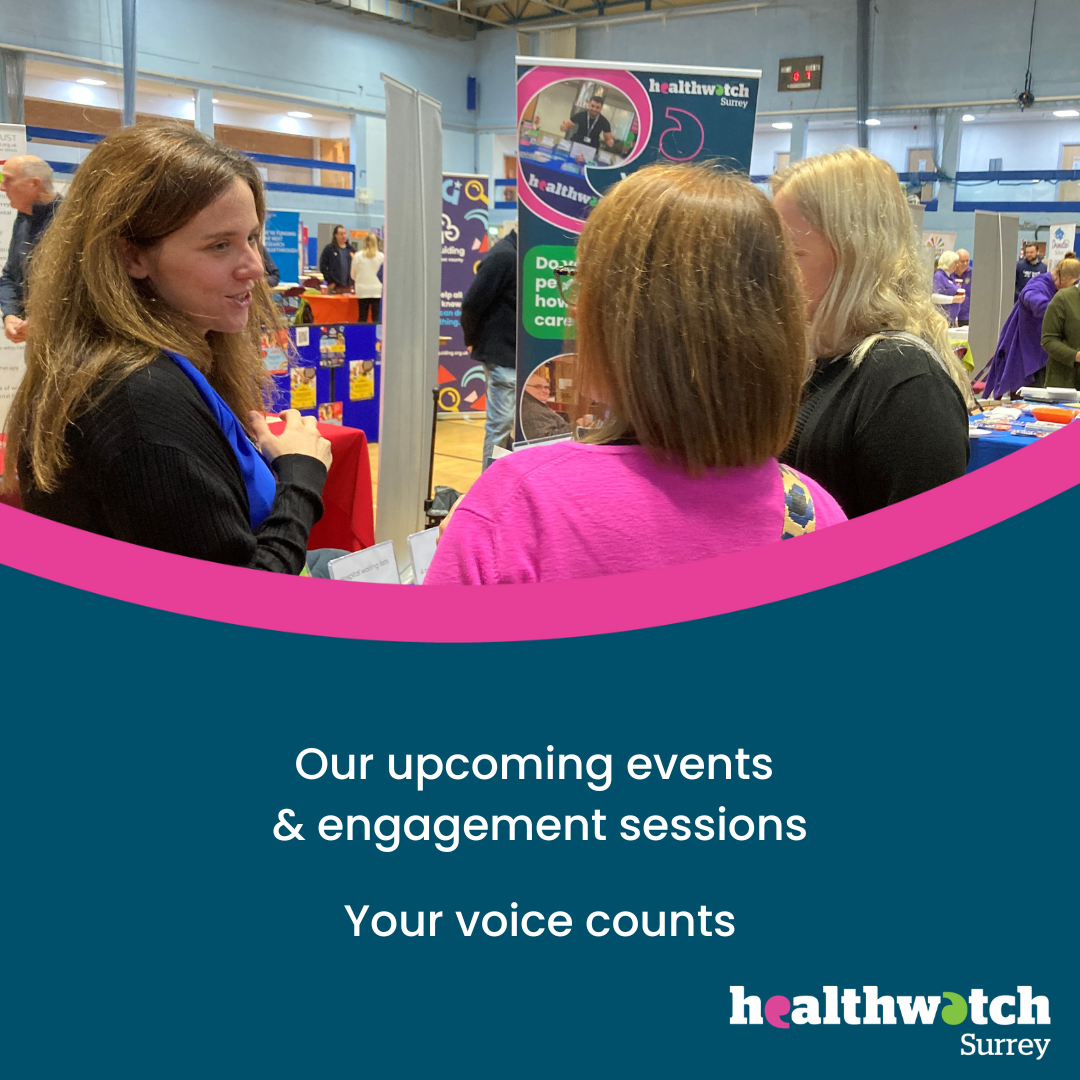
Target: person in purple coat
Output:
[
  {"x": 1020, "y": 358},
  {"x": 947, "y": 293}
]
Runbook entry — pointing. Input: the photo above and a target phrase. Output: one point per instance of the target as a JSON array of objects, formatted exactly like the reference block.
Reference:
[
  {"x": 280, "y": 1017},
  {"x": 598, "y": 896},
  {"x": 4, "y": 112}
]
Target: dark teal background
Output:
[{"x": 155, "y": 928}]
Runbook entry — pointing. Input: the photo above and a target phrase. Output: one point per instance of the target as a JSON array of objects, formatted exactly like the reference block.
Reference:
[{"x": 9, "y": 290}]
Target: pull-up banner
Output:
[{"x": 582, "y": 127}]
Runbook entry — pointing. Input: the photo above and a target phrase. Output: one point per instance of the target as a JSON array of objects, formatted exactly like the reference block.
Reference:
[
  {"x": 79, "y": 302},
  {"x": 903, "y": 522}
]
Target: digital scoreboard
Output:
[{"x": 800, "y": 73}]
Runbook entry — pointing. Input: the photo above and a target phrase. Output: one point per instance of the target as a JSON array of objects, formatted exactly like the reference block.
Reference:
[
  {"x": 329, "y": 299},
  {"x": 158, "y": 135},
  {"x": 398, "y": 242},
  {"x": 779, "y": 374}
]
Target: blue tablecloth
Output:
[{"x": 989, "y": 448}]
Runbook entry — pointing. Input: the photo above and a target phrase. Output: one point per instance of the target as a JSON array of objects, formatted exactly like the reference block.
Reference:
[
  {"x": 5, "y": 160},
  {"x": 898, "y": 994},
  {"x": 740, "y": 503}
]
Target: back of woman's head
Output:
[
  {"x": 1067, "y": 272},
  {"x": 91, "y": 323},
  {"x": 690, "y": 326},
  {"x": 371, "y": 245},
  {"x": 947, "y": 261}
]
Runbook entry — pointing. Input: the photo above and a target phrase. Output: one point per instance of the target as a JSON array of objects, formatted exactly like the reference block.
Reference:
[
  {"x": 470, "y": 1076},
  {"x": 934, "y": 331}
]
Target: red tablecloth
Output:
[
  {"x": 348, "y": 519},
  {"x": 344, "y": 308}
]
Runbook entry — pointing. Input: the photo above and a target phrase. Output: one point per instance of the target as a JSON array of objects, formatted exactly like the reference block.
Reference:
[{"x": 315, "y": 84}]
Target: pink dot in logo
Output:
[{"x": 776, "y": 1007}]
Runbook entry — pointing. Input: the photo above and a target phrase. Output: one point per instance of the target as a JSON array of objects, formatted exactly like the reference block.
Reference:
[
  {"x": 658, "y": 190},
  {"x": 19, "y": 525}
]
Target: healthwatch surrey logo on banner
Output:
[
  {"x": 1005, "y": 1010},
  {"x": 692, "y": 87}
]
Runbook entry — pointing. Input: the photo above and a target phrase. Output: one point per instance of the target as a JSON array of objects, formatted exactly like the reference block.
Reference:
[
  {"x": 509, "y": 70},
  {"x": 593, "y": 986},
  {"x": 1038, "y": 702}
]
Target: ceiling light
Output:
[
  {"x": 81, "y": 95},
  {"x": 91, "y": 82},
  {"x": 216, "y": 101},
  {"x": 873, "y": 122},
  {"x": 300, "y": 115},
  {"x": 967, "y": 118},
  {"x": 783, "y": 125},
  {"x": 1065, "y": 113},
  {"x": 287, "y": 123}
]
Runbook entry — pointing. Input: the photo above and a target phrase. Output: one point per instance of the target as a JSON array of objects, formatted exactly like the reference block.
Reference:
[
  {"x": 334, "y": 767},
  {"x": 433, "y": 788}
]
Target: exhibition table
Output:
[
  {"x": 348, "y": 519},
  {"x": 992, "y": 447},
  {"x": 330, "y": 308}
]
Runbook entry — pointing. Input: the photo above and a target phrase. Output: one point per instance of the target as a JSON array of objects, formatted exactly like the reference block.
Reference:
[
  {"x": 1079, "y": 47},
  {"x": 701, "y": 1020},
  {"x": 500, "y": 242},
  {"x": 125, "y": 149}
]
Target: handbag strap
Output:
[{"x": 799, "y": 517}]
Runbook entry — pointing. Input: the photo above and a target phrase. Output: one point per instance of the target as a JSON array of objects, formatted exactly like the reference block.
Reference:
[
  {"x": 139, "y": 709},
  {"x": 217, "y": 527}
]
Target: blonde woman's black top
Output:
[{"x": 873, "y": 434}]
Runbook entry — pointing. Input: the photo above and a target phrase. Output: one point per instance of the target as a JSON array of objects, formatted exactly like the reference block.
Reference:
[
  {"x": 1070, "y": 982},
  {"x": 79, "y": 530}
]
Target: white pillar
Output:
[
  {"x": 204, "y": 111},
  {"x": 800, "y": 125}
]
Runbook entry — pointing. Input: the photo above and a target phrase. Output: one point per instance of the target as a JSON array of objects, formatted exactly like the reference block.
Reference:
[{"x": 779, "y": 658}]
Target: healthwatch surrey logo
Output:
[
  {"x": 1004, "y": 1011},
  {"x": 694, "y": 88}
]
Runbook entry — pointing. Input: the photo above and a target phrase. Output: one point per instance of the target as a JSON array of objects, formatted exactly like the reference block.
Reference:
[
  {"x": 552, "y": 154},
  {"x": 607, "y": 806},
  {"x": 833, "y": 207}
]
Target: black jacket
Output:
[
  {"x": 335, "y": 264},
  {"x": 890, "y": 428},
  {"x": 150, "y": 465},
  {"x": 489, "y": 310},
  {"x": 28, "y": 230}
]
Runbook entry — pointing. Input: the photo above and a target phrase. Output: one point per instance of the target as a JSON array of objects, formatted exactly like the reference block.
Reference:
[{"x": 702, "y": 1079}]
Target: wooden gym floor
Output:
[{"x": 459, "y": 450}]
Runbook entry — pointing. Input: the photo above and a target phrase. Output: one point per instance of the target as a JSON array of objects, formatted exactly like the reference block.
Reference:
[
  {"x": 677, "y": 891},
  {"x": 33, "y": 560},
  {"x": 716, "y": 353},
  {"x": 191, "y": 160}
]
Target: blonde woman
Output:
[
  {"x": 697, "y": 351},
  {"x": 948, "y": 292},
  {"x": 366, "y": 264},
  {"x": 139, "y": 414},
  {"x": 884, "y": 413}
]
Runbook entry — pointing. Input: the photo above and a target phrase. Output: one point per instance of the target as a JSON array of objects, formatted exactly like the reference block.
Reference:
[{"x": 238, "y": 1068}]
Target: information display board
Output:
[
  {"x": 462, "y": 387},
  {"x": 570, "y": 151}
]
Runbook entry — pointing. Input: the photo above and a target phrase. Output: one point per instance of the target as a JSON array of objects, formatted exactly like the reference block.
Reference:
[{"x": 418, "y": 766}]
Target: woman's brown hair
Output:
[
  {"x": 90, "y": 324},
  {"x": 690, "y": 324}
]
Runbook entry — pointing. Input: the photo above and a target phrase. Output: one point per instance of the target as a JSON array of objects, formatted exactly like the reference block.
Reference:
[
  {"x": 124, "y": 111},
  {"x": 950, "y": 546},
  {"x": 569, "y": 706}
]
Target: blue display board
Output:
[
  {"x": 335, "y": 374},
  {"x": 281, "y": 238}
]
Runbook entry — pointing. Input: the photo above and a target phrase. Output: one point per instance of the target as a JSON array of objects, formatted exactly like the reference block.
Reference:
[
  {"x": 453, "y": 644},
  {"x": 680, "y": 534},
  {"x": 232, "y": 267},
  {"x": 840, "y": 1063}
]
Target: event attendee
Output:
[
  {"x": 1061, "y": 328},
  {"x": 366, "y": 264},
  {"x": 335, "y": 262},
  {"x": 270, "y": 268},
  {"x": 1029, "y": 266},
  {"x": 28, "y": 185},
  {"x": 489, "y": 326},
  {"x": 947, "y": 293},
  {"x": 698, "y": 353},
  {"x": 537, "y": 420},
  {"x": 883, "y": 416},
  {"x": 962, "y": 273},
  {"x": 144, "y": 378},
  {"x": 589, "y": 125},
  {"x": 1020, "y": 359}
]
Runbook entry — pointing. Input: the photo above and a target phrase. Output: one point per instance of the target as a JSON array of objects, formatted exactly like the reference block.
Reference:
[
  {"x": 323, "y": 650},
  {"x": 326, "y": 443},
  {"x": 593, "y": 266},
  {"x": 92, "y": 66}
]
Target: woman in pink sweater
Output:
[{"x": 691, "y": 346}]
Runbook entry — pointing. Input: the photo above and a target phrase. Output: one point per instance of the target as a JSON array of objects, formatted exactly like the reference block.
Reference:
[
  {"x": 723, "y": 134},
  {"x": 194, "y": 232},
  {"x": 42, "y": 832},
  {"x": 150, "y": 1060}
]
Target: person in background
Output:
[
  {"x": 1029, "y": 266},
  {"x": 366, "y": 264},
  {"x": 1020, "y": 358},
  {"x": 962, "y": 273},
  {"x": 28, "y": 185},
  {"x": 697, "y": 352},
  {"x": 947, "y": 293},
  {"x": 489, "y": 327},
  {"x": 335, "y": 263},
  {"x": 589, "y": 126},
  {"x": 1061, "y": 327},
  {"x": 537, "y": 420},
  {"x": 884, "y": 414},
  {"x": 140, "y": 414},
  {"x": 270, "y": 268}
]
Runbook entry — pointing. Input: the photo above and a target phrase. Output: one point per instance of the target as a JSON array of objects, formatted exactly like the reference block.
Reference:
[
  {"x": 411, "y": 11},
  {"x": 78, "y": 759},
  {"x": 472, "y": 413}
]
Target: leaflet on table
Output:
[
  {"x": 421, "y": 551},
  {"x": 376, "y": 563}
]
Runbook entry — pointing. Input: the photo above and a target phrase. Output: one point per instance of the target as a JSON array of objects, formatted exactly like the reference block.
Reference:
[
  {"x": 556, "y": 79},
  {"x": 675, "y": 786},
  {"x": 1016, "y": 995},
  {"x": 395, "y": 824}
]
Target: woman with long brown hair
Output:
[
  {"x": 691, "y": 333},
  {"x": 144, "y": 383}
]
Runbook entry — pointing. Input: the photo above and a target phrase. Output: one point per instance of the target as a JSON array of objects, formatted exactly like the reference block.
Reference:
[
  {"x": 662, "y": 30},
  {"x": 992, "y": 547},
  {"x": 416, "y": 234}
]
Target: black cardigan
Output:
[
  {"x": 150, "y": 465},
  {"x": 489, "y": 310},
  {"x": 873, "y": 434}
]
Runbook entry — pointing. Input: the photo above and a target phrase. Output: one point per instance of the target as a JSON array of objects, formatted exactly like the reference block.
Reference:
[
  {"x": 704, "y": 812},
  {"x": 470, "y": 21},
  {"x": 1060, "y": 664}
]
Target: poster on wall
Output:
[
  {"x": 12, "y": 364},
  {"x": 464, "y": 244},
  {"x": 1061, "y": 241},
  {"x": 281, "y": 238},
  {"x": 582, "y": 126}
]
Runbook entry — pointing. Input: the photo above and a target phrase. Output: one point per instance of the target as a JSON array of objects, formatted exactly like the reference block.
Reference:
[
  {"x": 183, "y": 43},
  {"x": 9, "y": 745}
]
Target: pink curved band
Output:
[{"x": 520, "y": 612}]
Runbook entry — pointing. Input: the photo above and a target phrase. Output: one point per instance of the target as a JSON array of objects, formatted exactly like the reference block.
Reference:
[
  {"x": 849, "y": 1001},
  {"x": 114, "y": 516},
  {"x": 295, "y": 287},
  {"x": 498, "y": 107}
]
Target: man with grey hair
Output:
[{"x": 28, "y": 186}]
